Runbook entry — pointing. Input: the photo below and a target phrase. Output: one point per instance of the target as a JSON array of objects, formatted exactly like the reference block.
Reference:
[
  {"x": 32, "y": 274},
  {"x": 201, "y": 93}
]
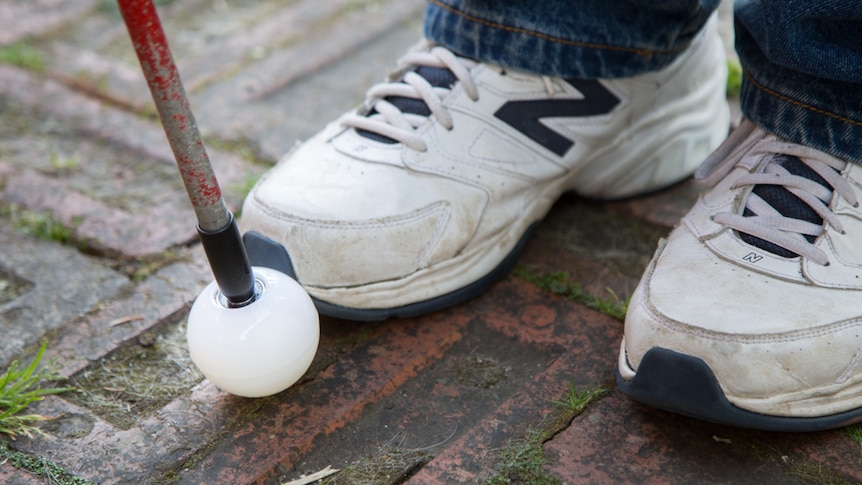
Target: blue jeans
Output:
[{"x": 802, "y": 59}]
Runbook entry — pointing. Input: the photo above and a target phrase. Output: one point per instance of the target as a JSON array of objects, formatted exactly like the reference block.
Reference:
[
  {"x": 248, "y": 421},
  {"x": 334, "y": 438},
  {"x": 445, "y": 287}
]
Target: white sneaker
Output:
[
  {"x": 750, "y": 314},
  {"x": 425, "y": 195}
]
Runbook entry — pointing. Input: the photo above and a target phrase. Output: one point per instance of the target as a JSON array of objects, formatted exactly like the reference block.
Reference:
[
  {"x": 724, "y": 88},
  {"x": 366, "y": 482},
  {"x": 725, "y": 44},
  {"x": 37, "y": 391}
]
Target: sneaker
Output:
[
  {"x": 424, "y": 196},
  {"x": 749, "y": 313}
]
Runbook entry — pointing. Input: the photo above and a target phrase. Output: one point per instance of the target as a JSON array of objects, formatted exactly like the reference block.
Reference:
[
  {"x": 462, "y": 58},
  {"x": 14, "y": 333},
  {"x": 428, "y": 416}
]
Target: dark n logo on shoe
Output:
[
  {"x": 524, "y": 116},
  {"x": 752, "y": 257}
]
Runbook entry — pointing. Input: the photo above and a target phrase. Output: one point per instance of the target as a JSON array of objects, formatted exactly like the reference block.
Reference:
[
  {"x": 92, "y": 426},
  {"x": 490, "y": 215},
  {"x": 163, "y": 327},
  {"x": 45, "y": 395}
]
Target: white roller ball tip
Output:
[{"x": 260, "y": 349}]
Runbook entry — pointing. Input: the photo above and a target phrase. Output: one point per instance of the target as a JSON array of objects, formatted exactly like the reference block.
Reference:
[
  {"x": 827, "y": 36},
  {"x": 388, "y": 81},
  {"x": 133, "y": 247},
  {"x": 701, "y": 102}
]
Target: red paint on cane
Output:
[{"x": 151, "y": 46}]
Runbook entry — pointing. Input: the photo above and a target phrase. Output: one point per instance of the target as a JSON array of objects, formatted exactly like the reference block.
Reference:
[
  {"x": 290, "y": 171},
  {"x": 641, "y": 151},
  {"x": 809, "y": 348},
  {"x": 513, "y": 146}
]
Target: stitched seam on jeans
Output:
[
  {"x": 799, "y": 103},
  {"x": 518, "y": 30}
]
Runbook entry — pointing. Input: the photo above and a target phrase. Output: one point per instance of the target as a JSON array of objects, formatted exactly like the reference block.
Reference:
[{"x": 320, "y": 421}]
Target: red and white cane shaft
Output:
[
  {"x": 218, "y": 231},
  {"x": 163, "y": 79}
]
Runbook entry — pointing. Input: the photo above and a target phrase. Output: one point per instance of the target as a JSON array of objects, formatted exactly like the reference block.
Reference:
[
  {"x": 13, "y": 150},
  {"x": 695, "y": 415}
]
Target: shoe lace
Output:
[
  {"x": 391, "y": 112},
  {"x": 790, "y": 198}
]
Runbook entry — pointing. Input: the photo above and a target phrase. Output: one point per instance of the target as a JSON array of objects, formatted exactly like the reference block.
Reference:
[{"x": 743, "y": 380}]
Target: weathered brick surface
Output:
[
  {"x": 618, "y": 441},
  {"x": 32, "y": 18},
  {"x": 168, "y": 292},
  {"x": 288, "y": 428},
  {"x": 54, "y": 283},
  {"x": 448, "y": 391},
  {"x": 245, "y": 64},
  {"x": 121, "y": 194},
  {"x": 581, "y": 348},
  {"x": 11, "y": 475}
]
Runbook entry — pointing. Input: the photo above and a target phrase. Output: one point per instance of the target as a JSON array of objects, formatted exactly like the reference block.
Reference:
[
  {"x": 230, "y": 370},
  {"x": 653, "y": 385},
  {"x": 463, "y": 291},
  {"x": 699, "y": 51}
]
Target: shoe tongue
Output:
[
  {"x": 438, "y": 77},
  {"x": 787, "y": 204}
]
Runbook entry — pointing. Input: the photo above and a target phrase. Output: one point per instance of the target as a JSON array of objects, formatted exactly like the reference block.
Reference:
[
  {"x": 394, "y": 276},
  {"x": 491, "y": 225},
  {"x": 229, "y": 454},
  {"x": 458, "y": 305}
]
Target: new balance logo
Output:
[
  {"x": 752, "y": 257},
  {"x": 524, "y": 116}
]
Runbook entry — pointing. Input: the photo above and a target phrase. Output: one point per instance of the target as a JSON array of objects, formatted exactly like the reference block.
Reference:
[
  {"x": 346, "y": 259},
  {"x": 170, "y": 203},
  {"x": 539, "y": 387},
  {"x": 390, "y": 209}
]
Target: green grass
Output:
[
  {"x": 854, "y": 432},
  {"x": 38, "y": 223},
  {"x": 577, "y": 400},
  {"x": 522, "y": 461},
  {"x": 62, "y": 163},
  {"x": 39, "y": 466},
  {"x": 142, "y": 268},
  {"x": 20, "y": 387},
  {"x": 559, "y": 282},
  {"x": 51, "y": 472},
  {"x": 22, "y": 55},
  {"x": 243, "y": 187},
  {"x": 734, "y": 78},
  {"x": 387, "y": 467},
  {"x": 241, "y": 147}
]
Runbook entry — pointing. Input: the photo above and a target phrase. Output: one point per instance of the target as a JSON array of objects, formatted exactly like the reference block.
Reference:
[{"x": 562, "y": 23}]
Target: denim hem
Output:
[
  {"x": 801, "y": 80},
  {"x": 551, "y": 38},
  {"x": 803, "y": 122},
  {"x": 537, "y": 45}
]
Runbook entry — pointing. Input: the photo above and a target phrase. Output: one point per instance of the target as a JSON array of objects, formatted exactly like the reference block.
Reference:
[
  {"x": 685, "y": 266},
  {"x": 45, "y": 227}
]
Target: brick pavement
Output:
[{"x": 445, "y": 398}]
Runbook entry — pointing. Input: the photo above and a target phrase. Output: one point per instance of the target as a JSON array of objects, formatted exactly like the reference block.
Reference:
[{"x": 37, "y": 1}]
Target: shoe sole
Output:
[
  {"x": 685, "y": 385},
  {"x": 265, "y": 252}
]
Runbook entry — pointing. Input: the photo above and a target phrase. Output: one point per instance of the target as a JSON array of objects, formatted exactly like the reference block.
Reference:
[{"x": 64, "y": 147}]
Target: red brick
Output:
[
  {"x": 21, "y": 20},
  {"x": 288, "y": 427},
  {"x": 665, "y": 207},
  {"x": 160, "y": 297},
  {"x": 168, "y": 221},
  {"x": 587, "y": 343},
  {"x": 13, "y": 476},
  {"x": 619, "y": 441},
  {"x": 98, "y": 226}
]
